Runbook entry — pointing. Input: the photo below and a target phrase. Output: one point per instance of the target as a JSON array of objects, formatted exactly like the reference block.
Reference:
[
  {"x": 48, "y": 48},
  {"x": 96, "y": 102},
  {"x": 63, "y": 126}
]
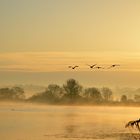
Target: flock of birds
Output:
[{"x": 95, "y": 66}]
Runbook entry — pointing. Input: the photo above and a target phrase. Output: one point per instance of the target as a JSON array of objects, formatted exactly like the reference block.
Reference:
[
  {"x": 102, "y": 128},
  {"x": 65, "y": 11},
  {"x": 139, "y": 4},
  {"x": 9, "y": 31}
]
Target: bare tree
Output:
[
  {"x": 107, "y": 94},
  {"x": 93, "y": 93},
  {"x": 123, "y": 98}
]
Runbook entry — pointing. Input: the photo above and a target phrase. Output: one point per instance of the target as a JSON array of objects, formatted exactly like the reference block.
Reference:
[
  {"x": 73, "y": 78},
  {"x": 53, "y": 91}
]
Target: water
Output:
[{"x": 32, "y": 122}]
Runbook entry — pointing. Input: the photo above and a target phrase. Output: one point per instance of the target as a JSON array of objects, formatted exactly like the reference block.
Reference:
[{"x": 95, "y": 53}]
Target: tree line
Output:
[
  {"x": 69, "y": 93},
  {"x": 72, "y": 92}
]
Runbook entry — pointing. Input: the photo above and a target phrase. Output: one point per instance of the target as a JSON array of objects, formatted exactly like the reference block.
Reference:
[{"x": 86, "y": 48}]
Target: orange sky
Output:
[
  {"x": 63, "y": 26},
  {"x": 59, "y": 61},
  {"x": 49, "y": 35}
]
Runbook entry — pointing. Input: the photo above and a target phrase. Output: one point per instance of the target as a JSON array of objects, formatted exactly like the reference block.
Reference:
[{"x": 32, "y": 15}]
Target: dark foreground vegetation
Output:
[{"x": 70, "y": 93}]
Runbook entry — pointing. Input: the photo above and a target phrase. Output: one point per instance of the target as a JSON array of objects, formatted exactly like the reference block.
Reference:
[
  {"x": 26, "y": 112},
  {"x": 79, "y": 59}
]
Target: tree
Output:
[
  {"x": 18, "y": 93},
  {"x": 107, "y": 94},
  {"x": 137, "y": 98},
  {"x": 5, "y": 93},
  {"x": 93, "y": 93},
  {"x": 12, "y": 93},
  {"x": 72, "y": 89},
  {"x": 52, "y": 94},
  {"x": 123, "y": 98},
  {"x": 55, "y": 90}
]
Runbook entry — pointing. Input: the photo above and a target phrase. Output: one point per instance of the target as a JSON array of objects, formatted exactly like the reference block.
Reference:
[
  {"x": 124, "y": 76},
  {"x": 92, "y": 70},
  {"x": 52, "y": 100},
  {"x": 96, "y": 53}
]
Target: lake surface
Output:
[{"x": 32, "y": 122}]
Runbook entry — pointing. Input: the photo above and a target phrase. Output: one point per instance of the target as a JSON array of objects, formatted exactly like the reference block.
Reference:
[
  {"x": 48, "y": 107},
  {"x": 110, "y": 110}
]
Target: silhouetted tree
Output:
[
  {"x": 55, "y": 90},
  {"x": 93, "y": 93},
  {"x": 5, "y": 93},
  {"x": 18, "y": 92},
  {"x": 137, "y": 98},
  {"x": 123, "y": 98},
  {"x": 52, "y": 94},
  {"x": 107, "y": 94},
  {"x": 72, "y": 89},
  {"x": 12, "y": 93}
]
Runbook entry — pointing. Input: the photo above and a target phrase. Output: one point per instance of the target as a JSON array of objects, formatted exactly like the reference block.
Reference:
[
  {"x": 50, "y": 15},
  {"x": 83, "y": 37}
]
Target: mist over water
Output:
[
  {"x": 40, "y": 122},
  {"x": 69, "y": 69}
]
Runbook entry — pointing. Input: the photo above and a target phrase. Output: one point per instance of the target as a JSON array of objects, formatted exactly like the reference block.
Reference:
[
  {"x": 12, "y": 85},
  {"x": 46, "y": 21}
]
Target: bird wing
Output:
[
  {"x": 76, "y": 66},
  {"x": 88, "y": 65}
]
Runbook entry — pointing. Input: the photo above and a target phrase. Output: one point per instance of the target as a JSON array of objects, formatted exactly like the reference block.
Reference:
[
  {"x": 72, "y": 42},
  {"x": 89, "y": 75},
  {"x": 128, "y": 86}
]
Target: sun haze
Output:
[{"x": 49, "y": 35}]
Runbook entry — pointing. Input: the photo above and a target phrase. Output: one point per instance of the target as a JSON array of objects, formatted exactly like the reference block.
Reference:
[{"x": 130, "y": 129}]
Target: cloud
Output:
[{"x": 59, "y": 61}]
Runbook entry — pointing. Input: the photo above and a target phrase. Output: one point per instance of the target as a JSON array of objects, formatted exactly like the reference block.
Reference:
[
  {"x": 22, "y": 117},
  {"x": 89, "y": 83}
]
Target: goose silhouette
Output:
[
  {"x": 92, "y": 66},
  {"x": 99, "y": 67},
  {"x": 73, "y": 67},
  {"x": 114, "y": 65}
]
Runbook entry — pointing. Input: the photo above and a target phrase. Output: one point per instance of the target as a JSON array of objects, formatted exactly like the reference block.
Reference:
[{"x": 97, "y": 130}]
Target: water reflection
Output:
[
  {"x": 65, "y": 123},
  {"x": 70, "y": 129},
  {"x": 70, "y": 126}
]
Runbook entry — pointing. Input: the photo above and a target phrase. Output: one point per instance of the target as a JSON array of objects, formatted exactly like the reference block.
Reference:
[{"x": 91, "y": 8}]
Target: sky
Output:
[{"x": 44, "y": 37}]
